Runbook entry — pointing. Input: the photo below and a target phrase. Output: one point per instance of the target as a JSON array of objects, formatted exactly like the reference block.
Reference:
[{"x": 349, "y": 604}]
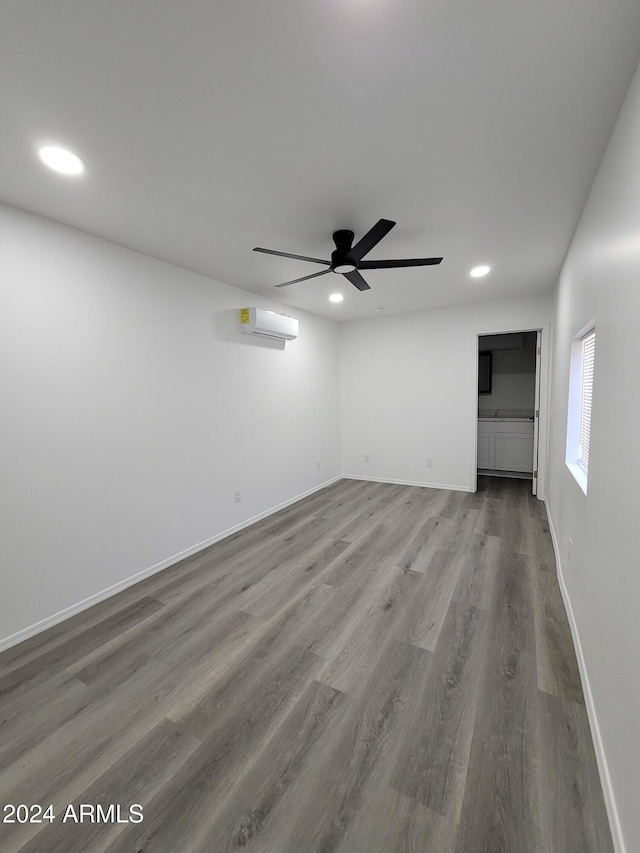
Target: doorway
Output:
[{"x": 509, "y": 405}]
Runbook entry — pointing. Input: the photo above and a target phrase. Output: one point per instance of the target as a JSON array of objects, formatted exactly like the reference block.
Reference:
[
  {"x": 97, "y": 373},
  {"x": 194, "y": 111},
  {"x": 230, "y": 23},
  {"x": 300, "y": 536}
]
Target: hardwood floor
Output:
[{"x": 377, "y": 668}]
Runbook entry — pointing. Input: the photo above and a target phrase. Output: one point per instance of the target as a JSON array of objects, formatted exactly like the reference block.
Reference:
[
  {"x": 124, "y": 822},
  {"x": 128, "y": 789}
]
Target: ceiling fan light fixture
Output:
[
  {"x": 479, "y": 272},
  {"x": 344, "y": 268}
]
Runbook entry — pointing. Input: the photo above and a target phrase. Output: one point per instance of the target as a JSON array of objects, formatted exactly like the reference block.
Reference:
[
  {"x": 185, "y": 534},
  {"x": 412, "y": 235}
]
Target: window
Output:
[
  {"x": 581, "y": 372},
  {"x": 588, "y": 356}
]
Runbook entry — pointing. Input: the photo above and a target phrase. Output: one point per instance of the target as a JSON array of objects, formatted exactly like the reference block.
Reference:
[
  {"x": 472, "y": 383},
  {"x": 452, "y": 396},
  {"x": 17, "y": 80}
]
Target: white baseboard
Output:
[
  {"x": 407, "y": 483},
  {"x": 601, "y": 758},
  {"x": 50, "y": 621}
]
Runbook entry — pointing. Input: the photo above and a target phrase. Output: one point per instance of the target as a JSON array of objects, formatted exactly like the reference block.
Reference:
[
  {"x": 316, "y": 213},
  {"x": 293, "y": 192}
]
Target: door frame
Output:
[
  {"x": 543, "y": 385},
  {"x": 536, "y": 413}
]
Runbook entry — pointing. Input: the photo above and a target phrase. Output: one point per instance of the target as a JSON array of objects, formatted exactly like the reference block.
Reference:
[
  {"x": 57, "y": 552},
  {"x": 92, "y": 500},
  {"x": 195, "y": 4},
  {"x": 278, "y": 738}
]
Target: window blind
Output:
[{"x": 588, "y": 359}]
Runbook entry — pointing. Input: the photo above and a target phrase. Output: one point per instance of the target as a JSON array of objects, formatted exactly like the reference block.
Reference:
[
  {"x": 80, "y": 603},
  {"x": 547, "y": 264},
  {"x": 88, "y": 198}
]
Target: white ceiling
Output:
[{"x": 213, "y": 126}]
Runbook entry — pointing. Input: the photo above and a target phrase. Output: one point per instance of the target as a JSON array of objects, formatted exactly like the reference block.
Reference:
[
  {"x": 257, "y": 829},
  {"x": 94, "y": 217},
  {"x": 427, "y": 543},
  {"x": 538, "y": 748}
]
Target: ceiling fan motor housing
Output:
[{"x": 344, "y": 241}]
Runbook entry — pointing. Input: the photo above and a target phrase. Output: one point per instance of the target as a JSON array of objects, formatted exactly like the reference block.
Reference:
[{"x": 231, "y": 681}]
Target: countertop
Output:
[{"x": 505, "y": 414}]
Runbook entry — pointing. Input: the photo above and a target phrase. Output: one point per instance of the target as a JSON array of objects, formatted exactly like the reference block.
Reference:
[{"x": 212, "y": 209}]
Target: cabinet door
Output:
[
  {"x": 514, "y": 451},
  {"x": 486, "y": 449}
]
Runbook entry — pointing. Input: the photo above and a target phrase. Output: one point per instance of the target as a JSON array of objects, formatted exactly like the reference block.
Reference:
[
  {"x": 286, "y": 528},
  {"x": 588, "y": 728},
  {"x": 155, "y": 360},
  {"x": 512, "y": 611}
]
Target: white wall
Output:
[
  {"x": 514, "y": 377},
  {"x": 601, "y": 280},
  {"x": 409, "y": 390},
  {"x": 132, "y": 407}
]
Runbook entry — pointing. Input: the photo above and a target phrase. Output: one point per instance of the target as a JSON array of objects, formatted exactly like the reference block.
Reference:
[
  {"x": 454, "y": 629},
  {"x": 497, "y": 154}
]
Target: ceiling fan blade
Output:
[
  {"x": 304, "y": 278},
  {"x": 356, "y": 279},
  {"x": 402, "y": 262},
  {"x": 370, "y": 239},
  {"x": 295, "y": 257}
]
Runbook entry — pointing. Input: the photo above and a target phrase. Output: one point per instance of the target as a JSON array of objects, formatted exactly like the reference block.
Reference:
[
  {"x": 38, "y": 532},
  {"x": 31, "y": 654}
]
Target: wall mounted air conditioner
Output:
[{"x": 268, "y": 324}]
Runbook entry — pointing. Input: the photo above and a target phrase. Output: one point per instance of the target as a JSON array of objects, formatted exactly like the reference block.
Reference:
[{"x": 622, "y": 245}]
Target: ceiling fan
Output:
[{"x": 346, "y": 259}]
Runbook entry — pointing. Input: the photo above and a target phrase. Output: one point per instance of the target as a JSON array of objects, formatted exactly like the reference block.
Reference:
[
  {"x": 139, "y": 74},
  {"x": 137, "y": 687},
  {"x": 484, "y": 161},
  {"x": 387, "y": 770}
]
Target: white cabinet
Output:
[
  {"x": 486, "y": 449},
  {"x": 505, "y": 445}
]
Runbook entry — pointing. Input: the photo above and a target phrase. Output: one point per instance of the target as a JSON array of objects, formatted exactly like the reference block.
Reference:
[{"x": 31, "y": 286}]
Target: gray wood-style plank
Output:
[
  {"x": 338, "y": 781},
  {"x": 376, "y": 668},
  {"x": 432, "y": 763},
  {"x": 571, "y": 807},
  {"x": 500, "y": 811},
  {"x": 557, "y": 666}
]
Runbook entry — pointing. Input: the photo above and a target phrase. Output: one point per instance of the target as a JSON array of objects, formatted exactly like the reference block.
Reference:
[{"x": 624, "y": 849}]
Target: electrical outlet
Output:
[
  {"x": 318, "y": 464},
  {"x": 570, "y": 549},
  {"x": 429, "y": 462},
  {"x": 237, "y": 497},
  {"x": 366, "y": 457}
]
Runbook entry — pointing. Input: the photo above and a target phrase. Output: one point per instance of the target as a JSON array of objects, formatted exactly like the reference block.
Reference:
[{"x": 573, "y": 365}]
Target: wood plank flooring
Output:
[{"x": 377, "y": 668}]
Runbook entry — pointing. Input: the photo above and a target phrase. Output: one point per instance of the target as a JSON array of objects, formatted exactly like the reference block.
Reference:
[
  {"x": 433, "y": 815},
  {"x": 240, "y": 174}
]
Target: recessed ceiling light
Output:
[
  {"x": 478, "y": 272},
  {"x": 336, "y": 297},
  {"x": 61, "y": 160}
]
